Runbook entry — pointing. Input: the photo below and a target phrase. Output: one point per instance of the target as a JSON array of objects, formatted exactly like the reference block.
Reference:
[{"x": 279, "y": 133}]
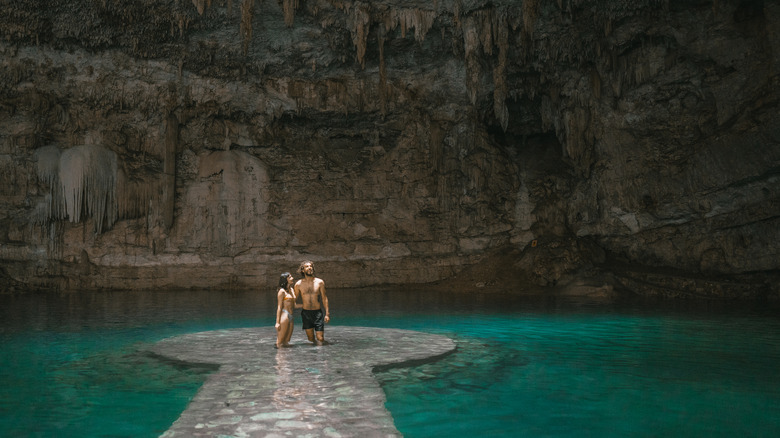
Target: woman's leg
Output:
[
  {"x": 289, "y": 332},
  {"x": 286, "y": 329},
  {"x": 281, "y": 335}
]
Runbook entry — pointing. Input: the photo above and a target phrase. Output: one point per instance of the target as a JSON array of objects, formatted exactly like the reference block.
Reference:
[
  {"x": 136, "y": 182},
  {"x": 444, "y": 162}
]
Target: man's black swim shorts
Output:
[{"x": 313, "y": 319}]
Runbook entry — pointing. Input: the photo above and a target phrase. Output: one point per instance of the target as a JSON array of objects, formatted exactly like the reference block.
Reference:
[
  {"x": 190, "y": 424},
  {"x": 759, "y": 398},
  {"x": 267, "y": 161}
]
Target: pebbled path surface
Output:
[{"x": 301, "y": 391}]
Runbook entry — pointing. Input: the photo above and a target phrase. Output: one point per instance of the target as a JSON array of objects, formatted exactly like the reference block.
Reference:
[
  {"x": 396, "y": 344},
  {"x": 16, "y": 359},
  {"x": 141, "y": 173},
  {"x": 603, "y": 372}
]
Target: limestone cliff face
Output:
[{"x": 216, "y": 143}]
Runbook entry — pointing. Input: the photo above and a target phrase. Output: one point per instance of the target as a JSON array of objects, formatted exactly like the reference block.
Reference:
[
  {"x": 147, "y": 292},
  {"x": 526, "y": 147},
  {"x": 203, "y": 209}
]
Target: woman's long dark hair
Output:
[{"x": 283, "y": 280}]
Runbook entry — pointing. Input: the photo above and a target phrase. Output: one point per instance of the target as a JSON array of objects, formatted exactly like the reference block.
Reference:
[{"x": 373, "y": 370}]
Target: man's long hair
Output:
[{"x": 300, "y": 268}]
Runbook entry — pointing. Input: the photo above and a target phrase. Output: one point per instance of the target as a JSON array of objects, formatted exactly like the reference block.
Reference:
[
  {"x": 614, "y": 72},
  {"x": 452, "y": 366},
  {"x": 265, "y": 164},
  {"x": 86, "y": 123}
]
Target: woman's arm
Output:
[
  {"x": 295, "y": 301},
  {"x": 295, "y": 298},
  {"x": 279, "y": 304}
]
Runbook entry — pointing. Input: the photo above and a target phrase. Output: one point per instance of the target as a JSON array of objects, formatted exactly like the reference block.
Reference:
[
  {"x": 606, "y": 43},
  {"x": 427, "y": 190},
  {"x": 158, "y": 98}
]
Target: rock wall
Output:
[{"x": 177, "y": 143}]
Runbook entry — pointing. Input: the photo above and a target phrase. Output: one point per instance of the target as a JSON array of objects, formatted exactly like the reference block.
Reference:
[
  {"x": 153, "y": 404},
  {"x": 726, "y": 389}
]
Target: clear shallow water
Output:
[{"x": 71, "y": 365}]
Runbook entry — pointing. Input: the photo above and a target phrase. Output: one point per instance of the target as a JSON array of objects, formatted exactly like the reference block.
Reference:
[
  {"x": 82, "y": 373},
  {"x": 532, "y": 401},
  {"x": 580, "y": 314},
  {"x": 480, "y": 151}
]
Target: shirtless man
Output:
[{"x": 311, "y": 289}]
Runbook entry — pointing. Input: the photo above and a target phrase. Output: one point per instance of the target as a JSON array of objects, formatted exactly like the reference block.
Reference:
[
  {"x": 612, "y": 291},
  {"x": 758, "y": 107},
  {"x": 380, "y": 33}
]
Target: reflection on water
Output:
[{"x": 70, "y": 363}]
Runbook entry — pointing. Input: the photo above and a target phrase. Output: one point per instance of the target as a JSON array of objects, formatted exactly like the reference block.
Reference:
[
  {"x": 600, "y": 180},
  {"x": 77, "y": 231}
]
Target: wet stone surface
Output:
[{"x": 303, "y": 390}]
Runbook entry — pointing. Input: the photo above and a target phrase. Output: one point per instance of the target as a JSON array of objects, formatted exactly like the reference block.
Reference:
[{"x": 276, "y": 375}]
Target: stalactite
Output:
[
  {"x": 382, "y": 70},
  {"x": 48, "y": 163},
  {"x": 486, "y": 29},
  {"x": 474, "y": 174},
  {"x": 595, "y": 83},
  {"x": 617, "y": 86},
  {"x": 360, "y": 21},
  {"x": 576, "y": 125},
  {"x": 135, "y": 196},
  {"x": 337, "y": 94},
  {"x": 88, "y": 182},
  {"x": 420, "y": 20},
  {"x": 530, "y": 11},
  {"x": 302, "y": 92},
  {"x": 168, "y": 183},
  {"x": 436, "y": 144},
  {"x": 456, "y": 17},
  {"x": 500, "y": 87},
  {"x": 71, "y": 186},
  {"x": 485, "y": 19},
  {"x": 200, "y": 5},
  {"x": 82, "y": 181},
  {"x": 360, "y": 26},
  {"x": 247, "y": 12},
  {"x": 471, "y": 48},
  {"x": 289, "y": 7}
]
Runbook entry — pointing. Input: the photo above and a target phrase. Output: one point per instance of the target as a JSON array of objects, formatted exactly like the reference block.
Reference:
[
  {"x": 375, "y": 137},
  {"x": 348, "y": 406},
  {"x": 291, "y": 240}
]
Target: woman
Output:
[{"x": 285, "y": 297}]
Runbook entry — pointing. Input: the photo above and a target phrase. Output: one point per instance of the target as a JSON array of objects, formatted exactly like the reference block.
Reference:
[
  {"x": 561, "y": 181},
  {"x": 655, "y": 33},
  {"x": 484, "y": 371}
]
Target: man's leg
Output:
[
  {"x": 308, "y": 324},
  {"x": 319, "y": 327}
]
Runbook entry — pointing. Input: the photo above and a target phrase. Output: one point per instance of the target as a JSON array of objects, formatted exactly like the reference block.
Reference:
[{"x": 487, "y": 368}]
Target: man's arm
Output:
[{"x": 325, "y": 301}]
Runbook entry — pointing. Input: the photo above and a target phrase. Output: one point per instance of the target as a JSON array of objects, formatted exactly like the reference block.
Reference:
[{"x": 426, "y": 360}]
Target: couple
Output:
[{"x": 311, "y": 289}]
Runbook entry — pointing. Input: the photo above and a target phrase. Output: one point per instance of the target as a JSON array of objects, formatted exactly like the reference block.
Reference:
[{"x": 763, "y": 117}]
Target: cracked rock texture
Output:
[{"x": 584, "y": 144}]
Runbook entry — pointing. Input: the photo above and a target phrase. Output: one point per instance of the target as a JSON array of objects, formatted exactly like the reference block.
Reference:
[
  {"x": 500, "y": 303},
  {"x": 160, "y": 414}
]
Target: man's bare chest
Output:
[{"x": 308, "y": 293}]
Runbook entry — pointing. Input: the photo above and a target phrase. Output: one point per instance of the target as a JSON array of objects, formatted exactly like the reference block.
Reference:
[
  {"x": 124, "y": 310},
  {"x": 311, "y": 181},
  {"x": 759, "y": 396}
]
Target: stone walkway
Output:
[{"x": 301, "y": 391}]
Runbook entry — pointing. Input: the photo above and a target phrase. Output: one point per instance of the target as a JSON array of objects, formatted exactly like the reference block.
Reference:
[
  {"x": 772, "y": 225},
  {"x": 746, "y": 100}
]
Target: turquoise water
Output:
[{"x": 72, "y": 366}]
